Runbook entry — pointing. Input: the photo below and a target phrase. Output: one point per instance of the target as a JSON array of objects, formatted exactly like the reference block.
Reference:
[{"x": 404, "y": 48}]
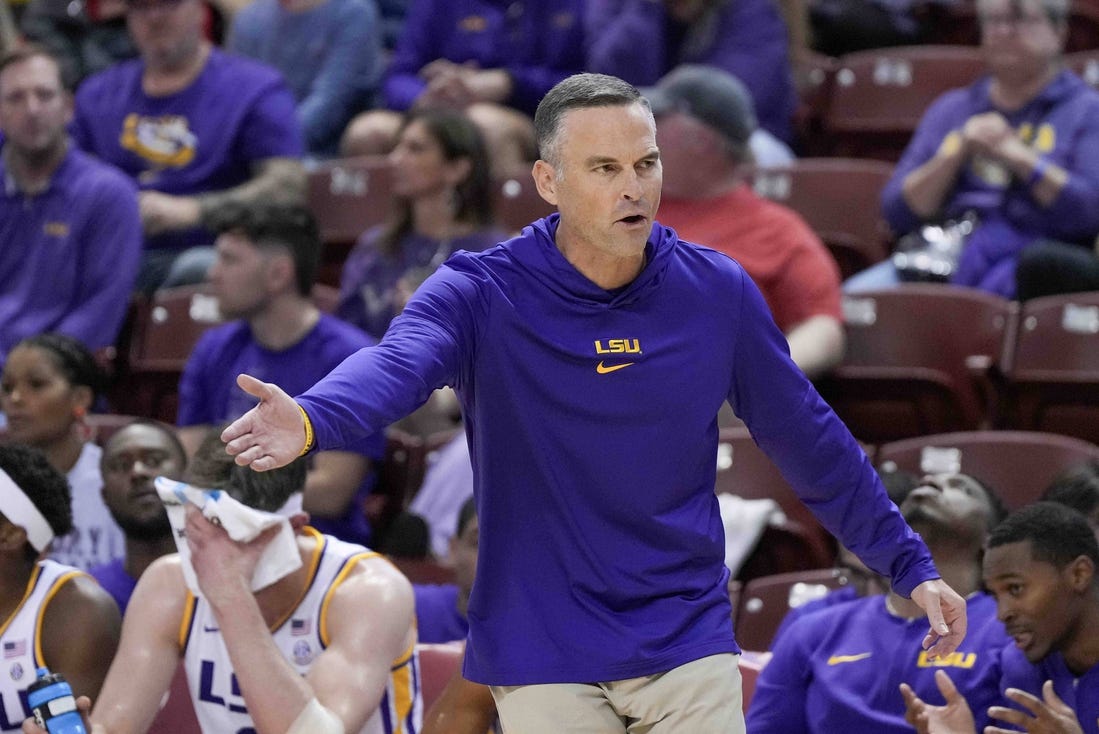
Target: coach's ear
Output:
[{"x": 545, "y": 179}]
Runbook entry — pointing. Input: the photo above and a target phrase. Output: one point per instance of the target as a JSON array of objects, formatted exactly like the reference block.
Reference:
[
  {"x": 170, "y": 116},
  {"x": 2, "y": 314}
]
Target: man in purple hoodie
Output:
[{"x": 591, "y": 354}]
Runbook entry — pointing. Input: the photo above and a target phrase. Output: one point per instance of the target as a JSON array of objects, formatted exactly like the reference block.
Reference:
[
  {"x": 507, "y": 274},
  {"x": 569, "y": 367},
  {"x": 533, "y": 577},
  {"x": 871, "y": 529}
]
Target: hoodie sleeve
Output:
[{"x": 816, "y": 453}]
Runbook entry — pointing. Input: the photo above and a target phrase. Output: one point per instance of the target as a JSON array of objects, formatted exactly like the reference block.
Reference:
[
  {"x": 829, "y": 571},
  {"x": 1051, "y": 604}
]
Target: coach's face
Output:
[{"x": 606, "y": 180}]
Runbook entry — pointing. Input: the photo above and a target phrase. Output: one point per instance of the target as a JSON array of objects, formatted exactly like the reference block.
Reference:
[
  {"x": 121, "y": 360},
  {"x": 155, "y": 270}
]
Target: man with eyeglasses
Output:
[
  {"x": 132, "y": 459},
  {"x": 196, "y": 128},
  {"x": 1018, "y": 148}
]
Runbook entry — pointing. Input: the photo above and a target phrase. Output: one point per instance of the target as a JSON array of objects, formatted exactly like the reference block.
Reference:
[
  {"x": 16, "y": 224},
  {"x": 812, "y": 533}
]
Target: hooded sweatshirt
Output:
[{"x": 592, "y": 424}]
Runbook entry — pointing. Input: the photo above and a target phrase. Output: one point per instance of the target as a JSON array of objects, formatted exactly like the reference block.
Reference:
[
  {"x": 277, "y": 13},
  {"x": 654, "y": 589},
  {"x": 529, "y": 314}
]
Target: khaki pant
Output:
[{"x": 700, "y": 697}]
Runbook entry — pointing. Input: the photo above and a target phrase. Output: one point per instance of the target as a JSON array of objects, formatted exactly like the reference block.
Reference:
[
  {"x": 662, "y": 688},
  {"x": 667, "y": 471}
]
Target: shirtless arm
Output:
[
  {"x": 369, "y": 625},
  {"x": 80, "y": 630},
  {"x": 148, "y": 653}
]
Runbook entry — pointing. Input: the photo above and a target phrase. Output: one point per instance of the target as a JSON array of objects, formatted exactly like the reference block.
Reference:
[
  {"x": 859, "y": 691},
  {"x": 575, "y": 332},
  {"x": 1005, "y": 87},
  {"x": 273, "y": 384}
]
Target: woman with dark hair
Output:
[
  {"x": 49, "y": 384},
  {"x": 441, "y": 177}
]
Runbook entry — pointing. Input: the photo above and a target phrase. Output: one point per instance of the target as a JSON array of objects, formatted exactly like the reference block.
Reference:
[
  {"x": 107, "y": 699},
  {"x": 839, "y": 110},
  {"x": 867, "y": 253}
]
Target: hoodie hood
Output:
[{"x": 535, "y": 251}]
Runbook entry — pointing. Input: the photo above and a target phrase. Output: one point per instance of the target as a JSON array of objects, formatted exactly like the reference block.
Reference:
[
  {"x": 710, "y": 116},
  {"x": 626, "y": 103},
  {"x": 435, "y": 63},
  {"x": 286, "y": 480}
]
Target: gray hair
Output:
[{"x": 578, "y": 92}]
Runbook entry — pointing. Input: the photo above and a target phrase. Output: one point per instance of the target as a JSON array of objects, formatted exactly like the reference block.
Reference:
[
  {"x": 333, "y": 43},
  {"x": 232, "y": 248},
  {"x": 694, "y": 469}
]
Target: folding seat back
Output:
[
  {"x": 516, "y": 202},
  {"x": 765, "y": 601},
  {"x": 880, "y": 95},
  {"x": 840, "y": 199},
  {"x": 911, "y": 359},
  {"x": 1019, "y": 465},
  {"x": 1052, "y": 373},
  {"x": 438, "y": 663},
  {"x": 348, "y": 196}
]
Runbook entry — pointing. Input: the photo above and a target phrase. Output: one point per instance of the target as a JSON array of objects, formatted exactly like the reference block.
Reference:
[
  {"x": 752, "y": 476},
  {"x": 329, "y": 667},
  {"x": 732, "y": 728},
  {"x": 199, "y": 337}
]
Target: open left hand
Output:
[
  {"x": 946, "y": 612},
  {"x": 1051, "y": 715}
]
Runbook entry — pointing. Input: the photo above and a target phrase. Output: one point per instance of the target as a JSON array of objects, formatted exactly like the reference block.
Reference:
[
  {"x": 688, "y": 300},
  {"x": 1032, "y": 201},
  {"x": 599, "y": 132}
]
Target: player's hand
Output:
[
  {"x": 946, "y": 612},
  {"x": 953, "y": 718},
  {"x": 1048, "y": 715},
  {"x": 83, "y": 705},
  {"x": 270, "y": 435},
  {"x": 223, "y": 567}
]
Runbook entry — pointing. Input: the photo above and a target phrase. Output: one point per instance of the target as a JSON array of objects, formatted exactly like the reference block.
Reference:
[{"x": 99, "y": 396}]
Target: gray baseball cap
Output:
[{"x": 708, "y": 94}]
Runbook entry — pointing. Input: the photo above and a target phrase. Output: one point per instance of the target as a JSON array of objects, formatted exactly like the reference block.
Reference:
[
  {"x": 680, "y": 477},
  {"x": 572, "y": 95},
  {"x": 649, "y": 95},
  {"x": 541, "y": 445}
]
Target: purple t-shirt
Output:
[
  {"x": 116, "y": 582},
  {"x": 369, "y": 279},
  {"x": 205, "y": 138},
  {"x": 68, "y": 256},
  {"x": 437, "y": 617},
  {"x": 209, "y": 395}
]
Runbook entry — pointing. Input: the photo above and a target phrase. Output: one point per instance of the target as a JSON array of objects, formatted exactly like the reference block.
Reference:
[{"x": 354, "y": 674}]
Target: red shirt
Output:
[{"x": 792, "y": 267}]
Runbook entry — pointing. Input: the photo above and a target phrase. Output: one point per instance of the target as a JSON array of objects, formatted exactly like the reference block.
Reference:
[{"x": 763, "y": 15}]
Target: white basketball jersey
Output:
[
  {"x": 21, "y": 643},
  {"x": 301, "y": 637}
]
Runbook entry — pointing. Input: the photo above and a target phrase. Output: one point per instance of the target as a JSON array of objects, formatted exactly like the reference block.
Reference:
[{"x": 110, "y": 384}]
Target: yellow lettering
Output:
[
  {"x": 618, "y": 346},
  {"x": 953, "y": 660}
]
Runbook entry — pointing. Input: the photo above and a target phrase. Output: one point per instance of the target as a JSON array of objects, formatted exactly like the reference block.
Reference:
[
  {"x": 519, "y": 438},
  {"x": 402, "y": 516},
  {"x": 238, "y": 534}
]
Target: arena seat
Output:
[
  {"x": 1051, "y": 370},
  {"x": 516, "y": 201},
  {"x": 438, "y": 662},
  {"x": 765, "y": 601},
  {"x": 347, "y": 196},
  {"x": 915, "y": 360},
  {"x": 840, "y": 199},
  {"x": 880, "y": 95},
  {"x": 1019, "y": 465}
]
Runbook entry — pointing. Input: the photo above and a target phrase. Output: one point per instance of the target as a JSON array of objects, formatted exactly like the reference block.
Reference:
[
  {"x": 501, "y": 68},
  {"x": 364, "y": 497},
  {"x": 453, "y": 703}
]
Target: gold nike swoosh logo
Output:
[
  {"x": 837, "y": 659},
  {"x": 604, "y": 369}
]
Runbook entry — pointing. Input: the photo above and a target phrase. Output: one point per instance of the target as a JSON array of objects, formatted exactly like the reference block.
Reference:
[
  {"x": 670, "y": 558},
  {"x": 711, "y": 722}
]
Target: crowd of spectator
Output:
[{"x": 148, "y": 144}]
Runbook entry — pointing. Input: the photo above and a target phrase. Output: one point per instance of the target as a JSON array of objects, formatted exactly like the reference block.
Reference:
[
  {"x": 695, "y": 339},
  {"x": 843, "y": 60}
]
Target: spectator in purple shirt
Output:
[
  {"x": 197, "y": 129},
  {"x": 70, "y": 235},
  {"x": 1019, "y": 149}
]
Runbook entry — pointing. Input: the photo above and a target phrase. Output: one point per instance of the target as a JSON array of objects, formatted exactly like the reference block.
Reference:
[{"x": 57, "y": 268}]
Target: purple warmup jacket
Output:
[
  {"x": 592, "y": 425},
  {"x": 538, "y": 42},
  {"x": 1062, "y": 124},
  {"x": 637, "y": 41}
]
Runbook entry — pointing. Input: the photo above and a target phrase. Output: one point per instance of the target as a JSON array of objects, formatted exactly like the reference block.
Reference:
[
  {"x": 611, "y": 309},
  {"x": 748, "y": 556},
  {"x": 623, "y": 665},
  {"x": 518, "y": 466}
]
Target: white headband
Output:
[{"x": 19, "y": 509}]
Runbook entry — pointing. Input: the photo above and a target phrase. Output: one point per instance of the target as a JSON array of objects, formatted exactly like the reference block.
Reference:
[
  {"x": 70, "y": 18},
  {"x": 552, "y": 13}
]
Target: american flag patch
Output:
[
  {"x": 300, "y": 626},
  {"x": 14, "y": 649}
]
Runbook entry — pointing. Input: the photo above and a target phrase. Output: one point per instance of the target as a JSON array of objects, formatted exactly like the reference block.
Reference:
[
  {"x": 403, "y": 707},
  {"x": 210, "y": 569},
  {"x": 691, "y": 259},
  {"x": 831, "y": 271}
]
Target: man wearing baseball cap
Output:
[{"x": 707, "y": 134}]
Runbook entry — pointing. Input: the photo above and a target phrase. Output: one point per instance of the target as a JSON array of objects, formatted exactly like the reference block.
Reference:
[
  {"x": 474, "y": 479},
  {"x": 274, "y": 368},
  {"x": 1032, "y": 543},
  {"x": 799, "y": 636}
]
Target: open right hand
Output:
[
  {"x": 270, "y": 435},
  {"x": 953, "y": 718}
]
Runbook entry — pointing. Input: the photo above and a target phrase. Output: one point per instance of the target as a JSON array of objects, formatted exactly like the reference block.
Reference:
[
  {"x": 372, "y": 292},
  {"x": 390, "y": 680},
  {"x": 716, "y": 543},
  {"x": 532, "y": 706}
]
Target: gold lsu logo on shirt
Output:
[
  {"x": 166, "y": 142},
  {"x": 953, "y": 660},
  {"x": 616, "y": 346}
]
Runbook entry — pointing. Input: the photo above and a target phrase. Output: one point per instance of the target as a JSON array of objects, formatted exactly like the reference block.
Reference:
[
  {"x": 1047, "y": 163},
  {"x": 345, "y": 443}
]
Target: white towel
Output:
[
  {"x": 242, "y": 523},
  {"x": 744, "y": 521}
]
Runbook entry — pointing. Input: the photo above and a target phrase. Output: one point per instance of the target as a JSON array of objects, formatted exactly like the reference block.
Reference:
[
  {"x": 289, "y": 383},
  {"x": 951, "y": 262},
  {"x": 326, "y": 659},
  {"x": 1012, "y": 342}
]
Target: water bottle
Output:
[{"x": 53, "y": 705}]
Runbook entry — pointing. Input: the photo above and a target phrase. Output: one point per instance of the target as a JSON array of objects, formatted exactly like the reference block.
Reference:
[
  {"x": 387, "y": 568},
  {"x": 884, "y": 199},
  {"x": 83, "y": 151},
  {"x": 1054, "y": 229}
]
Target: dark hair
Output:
[
  {"x": 1076, "y": 487},
  {"x": 577, "y": 92},
  {"x": 897, "y": 482},
  {"x": 44, "y": 485},
  {"x": 29, "y": 51},
  {"x": 163, "y": 428},
  {"x": 995, "y": 502},
  {"x": 1058, "y": 535},
  {"x": 72, "y": 358},
  {"x": 467, "y": 512},
  {"x": 269, "y": 225},
  {"x": 213, "y": 468},
  {"x": 459, "y": 137}
]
